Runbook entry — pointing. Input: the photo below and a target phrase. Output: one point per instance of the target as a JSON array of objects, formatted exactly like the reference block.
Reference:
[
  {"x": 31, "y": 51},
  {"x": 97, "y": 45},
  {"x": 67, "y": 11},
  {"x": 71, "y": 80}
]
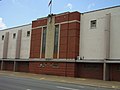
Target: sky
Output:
[{"x": 19, "y": 12}]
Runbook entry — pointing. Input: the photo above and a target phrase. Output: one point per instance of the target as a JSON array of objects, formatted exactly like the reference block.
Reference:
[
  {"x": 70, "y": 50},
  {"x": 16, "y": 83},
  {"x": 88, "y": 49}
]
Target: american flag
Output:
[{"x": 50, "y": 3}]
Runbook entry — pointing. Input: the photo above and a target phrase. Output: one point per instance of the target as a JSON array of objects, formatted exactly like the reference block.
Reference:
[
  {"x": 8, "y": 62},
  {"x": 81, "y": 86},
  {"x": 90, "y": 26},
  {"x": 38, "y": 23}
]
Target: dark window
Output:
[
  {"x": 93, "y": 24},
  {"x": 2, "y": 37},
  {"x": 14, "y": 35},
  {"x": 28, "y": 33},
  {"x": 56, "y": 37},
  {"x": 44, "y": 39}
]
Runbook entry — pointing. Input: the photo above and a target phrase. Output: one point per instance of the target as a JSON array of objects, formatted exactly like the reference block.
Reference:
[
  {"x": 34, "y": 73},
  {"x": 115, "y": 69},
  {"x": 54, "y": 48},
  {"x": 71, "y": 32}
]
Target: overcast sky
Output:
[{"x": 20, "y": 12}]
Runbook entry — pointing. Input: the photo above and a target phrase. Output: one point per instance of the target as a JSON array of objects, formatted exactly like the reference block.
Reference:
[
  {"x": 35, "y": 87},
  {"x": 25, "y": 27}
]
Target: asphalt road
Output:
[{"x": 19, "y": 83}]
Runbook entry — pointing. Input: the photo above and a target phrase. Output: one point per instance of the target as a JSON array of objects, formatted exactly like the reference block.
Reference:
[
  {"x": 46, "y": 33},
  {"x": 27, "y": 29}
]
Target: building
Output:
[
  {"x": 15, "y": 46},
  {"x": 55, "y": 43},
  {"x": 99, "y": 43},
  {"x": 70, "y": 44}
]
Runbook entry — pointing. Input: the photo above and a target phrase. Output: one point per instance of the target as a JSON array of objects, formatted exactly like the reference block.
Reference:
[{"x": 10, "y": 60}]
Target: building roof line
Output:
[
  {"x": 15, "y": 27},
  {"x": 100, "y": 9},
  {"x": 56, "y": 15}
]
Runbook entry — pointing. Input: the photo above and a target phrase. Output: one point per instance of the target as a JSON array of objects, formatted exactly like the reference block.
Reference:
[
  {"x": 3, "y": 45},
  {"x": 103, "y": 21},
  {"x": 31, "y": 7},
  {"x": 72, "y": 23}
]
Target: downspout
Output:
[
  {"x": 107, "y": 35},
  {"x": 107, "y": 46}
]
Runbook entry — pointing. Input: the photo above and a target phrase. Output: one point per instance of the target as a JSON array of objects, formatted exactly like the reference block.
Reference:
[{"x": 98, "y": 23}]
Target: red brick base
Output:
[
  {"x": 8, "y": 65},
  {"x": 0, "y": 65},
  {"x": 89, "y": 70},
  {"x": 53, "y": 68},
  {"x": 114, "y": 72},
  {"x": 68, "y": 69},
  {"x": 22, "y": 66}
]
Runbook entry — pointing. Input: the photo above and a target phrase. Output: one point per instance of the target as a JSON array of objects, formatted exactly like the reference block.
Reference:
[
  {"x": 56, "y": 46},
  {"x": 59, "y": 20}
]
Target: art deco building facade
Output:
[{"x": 73, "y": 44}]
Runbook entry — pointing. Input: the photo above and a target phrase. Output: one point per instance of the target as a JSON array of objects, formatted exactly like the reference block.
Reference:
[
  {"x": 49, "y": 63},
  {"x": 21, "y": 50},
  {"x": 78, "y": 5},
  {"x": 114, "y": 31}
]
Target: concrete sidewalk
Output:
[{"x": 82, "y": 81}]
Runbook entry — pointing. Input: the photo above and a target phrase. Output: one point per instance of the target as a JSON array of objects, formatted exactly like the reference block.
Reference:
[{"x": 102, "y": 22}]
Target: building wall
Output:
[
  {"x": 90, "y": 70},
  {"x": 115, "y": 30},
  {"x": 22, "y": 66},
  {"x": 25, "y": 43},
  {"x": 12, "y": 43},
  {"x": 1, "y": 43},
  {"x": 69, "y": 29},
  {"x": 0, "y": 65},
  {"x": 18, "y": 47},
  {"x": 53, "y": 68},
  {"x": 114, "y": 71},
  {"x": 93, "y": 41},
  {"x": 69, "y": 35},
  {"x": 8, "y": 65},
  {"x": 36, "y": 38}
]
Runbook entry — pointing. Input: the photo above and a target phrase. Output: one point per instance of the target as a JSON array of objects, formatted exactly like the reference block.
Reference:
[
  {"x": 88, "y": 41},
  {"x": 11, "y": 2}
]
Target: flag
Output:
[{"x": 50, "y": 3}]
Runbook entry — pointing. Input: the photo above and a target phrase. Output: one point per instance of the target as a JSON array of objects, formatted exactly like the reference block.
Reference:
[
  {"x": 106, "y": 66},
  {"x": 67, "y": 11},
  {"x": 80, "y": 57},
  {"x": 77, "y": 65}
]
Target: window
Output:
[
  {"x": 44, "y": 40},
  {"x": 28, "y": 33},
  {"x": 56, "y": 36},
  {"x": 93, "y": 24},
  {"x": 14, "y": 35},
  {"x": 2, "y": 37}
]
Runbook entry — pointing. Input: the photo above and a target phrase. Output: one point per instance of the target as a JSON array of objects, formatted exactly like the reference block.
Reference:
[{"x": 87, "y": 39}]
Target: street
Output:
[{"x": 8, "y": 82}]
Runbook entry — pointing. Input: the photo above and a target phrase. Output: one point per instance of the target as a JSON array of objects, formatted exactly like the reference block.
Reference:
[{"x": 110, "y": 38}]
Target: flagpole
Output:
[{"x": 51, "y": 8}]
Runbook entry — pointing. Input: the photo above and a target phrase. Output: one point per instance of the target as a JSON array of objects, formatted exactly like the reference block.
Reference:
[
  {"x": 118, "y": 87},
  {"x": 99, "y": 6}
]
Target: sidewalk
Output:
[{"x": 81, "y": 81}]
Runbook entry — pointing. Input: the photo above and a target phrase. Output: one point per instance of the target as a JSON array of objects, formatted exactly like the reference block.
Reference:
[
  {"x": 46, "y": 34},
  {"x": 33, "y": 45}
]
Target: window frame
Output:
[
  {"x": 56, "y": 39},
  {"x": 28, "y": 33},
  {"x": 44, "y": 33},
  {"x": 93, "y": 24},
  {"x": 3, "y": 37},
  {"x": 14, "y": 35}
]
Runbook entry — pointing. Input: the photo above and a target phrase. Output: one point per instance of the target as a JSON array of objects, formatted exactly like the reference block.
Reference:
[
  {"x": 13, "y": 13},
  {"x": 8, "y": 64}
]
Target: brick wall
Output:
[
  {"x": 22, "y": 66},
  {"x": 69, "y": 35},
  {"x": 35, "y": 43},
  {"x": 36, "y": 37},
  {"x": 39, "y": 22},
  {"x": 53, "y": 68},
  {"x": 89, "y": 70},
  {"x": 8, "y": 65},
  {"x": 67, "y": 16},
  {"x": 71, "y": 70},
  {"x": 114, "y": 72}
]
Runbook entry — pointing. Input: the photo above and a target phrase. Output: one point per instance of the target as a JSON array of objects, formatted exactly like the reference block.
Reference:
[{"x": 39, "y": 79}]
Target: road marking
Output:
[
  {"x": 28, "y": 89},
  {"x": 62, "y": 80},
  {"x": 42, "y": 78},
  {"x": 66, "y": 88}
]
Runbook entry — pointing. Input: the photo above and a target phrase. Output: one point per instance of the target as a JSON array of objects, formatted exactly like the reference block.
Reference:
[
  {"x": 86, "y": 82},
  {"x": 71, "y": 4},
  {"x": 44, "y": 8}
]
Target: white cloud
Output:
[
  {"x": 90, "y": 6},
  {"x": 2, "y": 24},
  {"x": 70, "y": 6}
]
